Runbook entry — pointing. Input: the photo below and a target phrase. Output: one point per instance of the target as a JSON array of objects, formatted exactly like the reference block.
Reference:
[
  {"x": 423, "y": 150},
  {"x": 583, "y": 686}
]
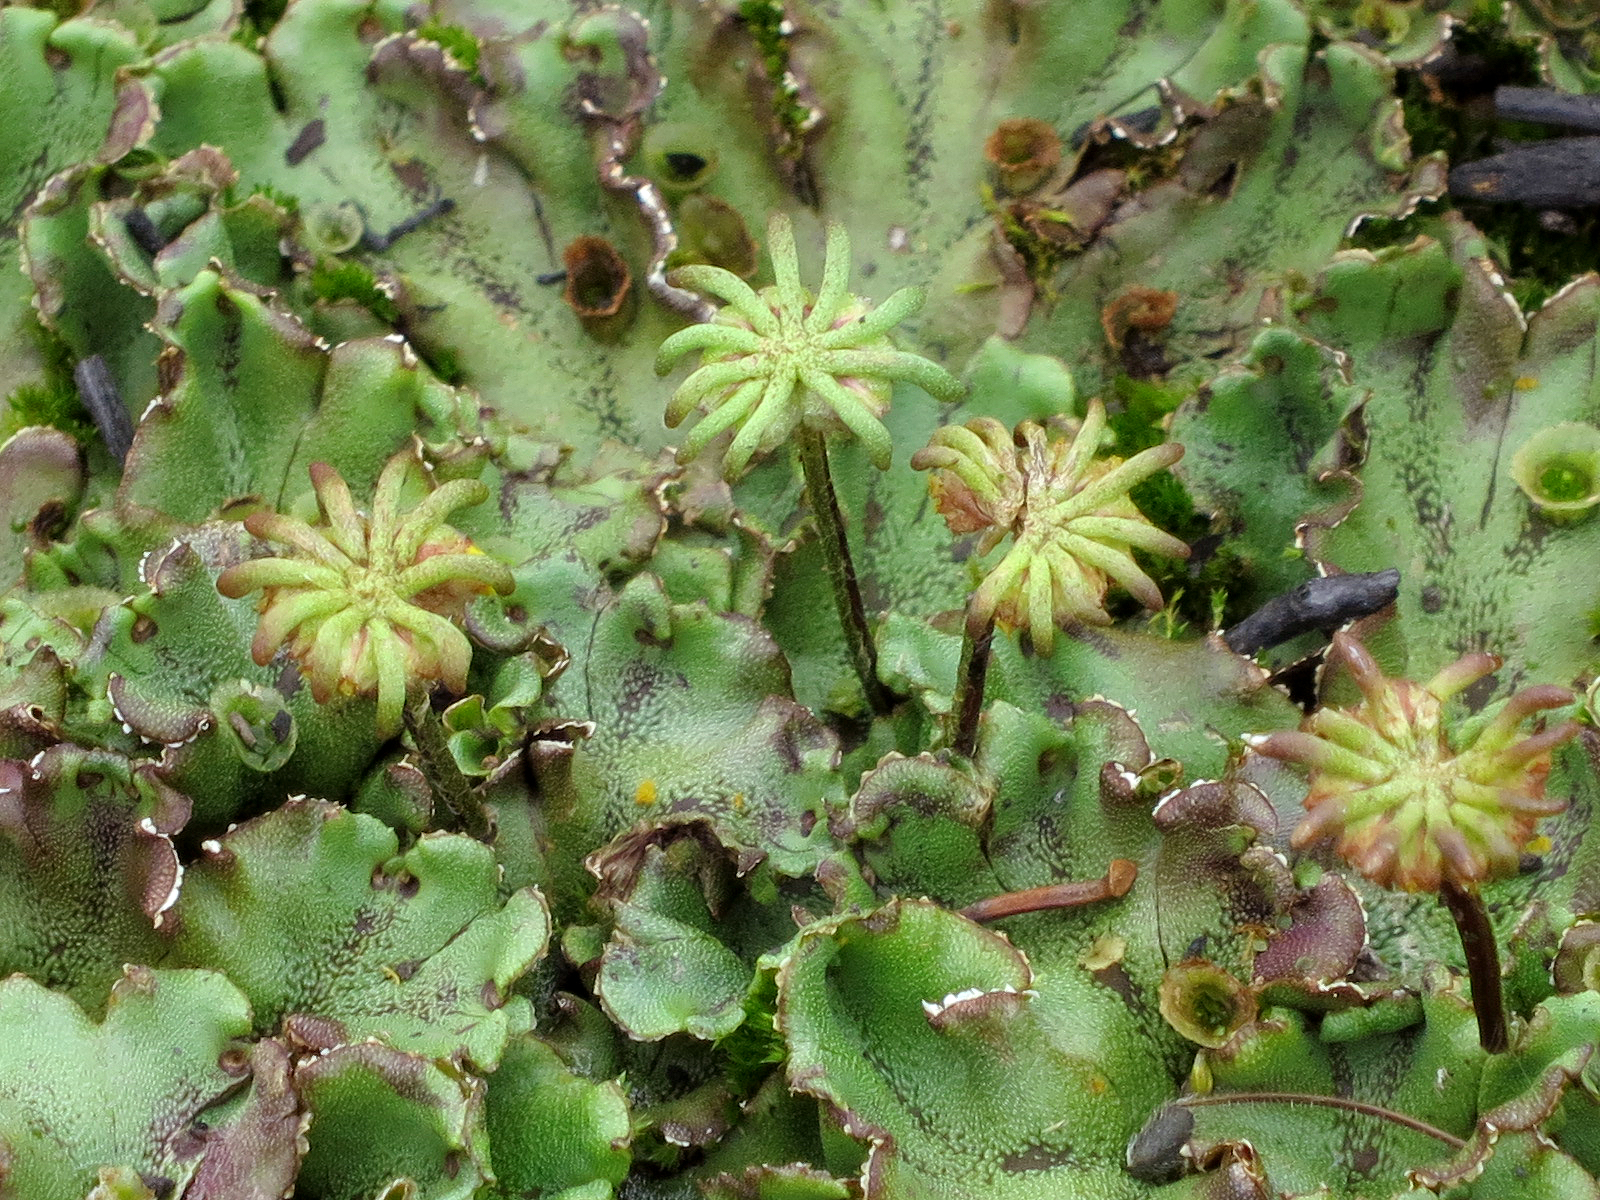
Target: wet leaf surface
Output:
[
  {"x": 692, "y": 722},
  {"x": 552, "y": 1128},
  {"x": 336, "y": 938},
  {"x": 134, "y": 1089},
  {"x": 1459, "y": 380},
  {"x": 65, "y": 77},
  {"x": 89, "y": 867},
  {"x": 380, "y": 1116}
]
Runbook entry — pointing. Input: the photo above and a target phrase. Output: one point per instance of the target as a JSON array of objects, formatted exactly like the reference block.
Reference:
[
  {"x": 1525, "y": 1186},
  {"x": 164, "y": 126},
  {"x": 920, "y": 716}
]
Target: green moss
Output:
[
  {"x": 1138, "y": 413},
  {"x": 756, "y": 1046},
  {"x": 765, "y": 19},
  {"x": 231, "y": 199},
  {"x": 1538, "y": 261},
  {"x": 46, "y": 404},
  {"x": 445, "y": 363},
  {"x": 1197, "y": 590},
  {"x": 1040, "y": 256},
  {"x": 342, "y": 280},
  {"x": 289, "y": 204},
  {"x": 1201, "y": 590},
  {"x": 462, "y": 45},
  {"x": 53, "y": 400}
]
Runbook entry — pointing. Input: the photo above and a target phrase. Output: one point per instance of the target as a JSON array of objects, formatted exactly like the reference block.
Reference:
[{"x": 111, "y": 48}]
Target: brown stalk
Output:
[
  {"x": 1483, "y": 963},
  {"x": 971, "y": 675},
  {"x": 824, "y": 502},
  {"x": 1118, "y": 879}
]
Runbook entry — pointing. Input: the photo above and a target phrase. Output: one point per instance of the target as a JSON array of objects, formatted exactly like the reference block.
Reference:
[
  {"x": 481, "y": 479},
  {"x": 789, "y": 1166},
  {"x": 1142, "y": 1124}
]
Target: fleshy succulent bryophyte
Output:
[
  {"x": 1069, "y": 511},
  {"x": 367, "y": 603},
  {"x": 1409, "y": 804},
  {"x": 781, "y": 358}
]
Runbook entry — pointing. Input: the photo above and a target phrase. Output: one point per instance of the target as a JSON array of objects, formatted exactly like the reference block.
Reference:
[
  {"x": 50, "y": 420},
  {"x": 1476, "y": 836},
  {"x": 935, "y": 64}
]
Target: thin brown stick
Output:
[
  {"x": 1357, "y": 1106},
  {"x": 1483, "y": 964},
  {"x": 1118, "y": 879}
]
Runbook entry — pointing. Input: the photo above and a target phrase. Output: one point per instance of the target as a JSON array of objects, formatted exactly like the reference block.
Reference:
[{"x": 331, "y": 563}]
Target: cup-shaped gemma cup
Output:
[{"x": 1558, "y": 469}]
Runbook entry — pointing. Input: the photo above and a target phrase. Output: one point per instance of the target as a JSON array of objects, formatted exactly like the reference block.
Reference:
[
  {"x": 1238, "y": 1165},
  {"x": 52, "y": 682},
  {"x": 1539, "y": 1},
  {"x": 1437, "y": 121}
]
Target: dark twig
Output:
[
  {"x": 1548, "y": 107},
  {"x": 101, "y": 396},
  {"x": 1560, "y": 173},
  {"x": 380, "y": 242},
  {"x": 1324, "y": 604},
  {"x": 145, "y": 232},
  {"x": 1483, "y": 964}
]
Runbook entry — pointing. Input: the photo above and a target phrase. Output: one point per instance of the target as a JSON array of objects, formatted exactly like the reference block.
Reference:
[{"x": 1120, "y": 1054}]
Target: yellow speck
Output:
[
  {"x": 1539, "y": 845},
  {"x": 738, "y": 802},
  {"x": 1098, "y": 1085},
  {"x": 1525, "y": 383},
  {"x": 392, "y": 975},
  {"x": 645, "y": 794}
]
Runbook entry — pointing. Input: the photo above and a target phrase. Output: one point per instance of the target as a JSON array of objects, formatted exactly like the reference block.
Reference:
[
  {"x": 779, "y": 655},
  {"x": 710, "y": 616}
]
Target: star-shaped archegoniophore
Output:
[
  {"x": 1074, "y": 525},
  {"x": 1402, "y": 804},
  {"x": 777, "y": 359},
  {"x": 367, "y": 604}
]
